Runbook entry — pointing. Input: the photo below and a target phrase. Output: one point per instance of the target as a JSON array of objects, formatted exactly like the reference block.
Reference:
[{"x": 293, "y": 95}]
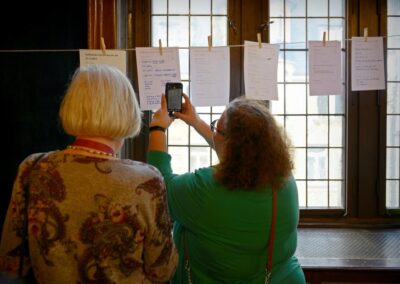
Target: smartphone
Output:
[{"x": 173, "y": 94}]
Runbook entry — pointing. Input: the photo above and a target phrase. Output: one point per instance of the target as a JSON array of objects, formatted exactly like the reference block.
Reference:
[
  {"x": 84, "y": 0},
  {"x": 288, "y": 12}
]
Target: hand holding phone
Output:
[{"x": 173, "y": 95}]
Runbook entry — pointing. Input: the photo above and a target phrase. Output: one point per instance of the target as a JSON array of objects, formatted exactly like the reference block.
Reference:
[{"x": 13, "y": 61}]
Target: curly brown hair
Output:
[{"x": 256, "y": 150}]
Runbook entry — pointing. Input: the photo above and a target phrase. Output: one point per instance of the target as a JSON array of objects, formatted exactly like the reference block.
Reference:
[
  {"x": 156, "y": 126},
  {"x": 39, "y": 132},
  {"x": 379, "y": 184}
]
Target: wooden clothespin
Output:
[
  {"x": 209, "y": 42},
  {"x": 102, "y": 45},
  {"x": 259, "y": 40},
  {"x": 365, "y": 34},
  {"x": 160, "y": 46},
  {"x": 324, "y": 39}
]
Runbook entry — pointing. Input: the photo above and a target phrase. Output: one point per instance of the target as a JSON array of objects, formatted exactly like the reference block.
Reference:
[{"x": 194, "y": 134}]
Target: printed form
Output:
[
  {"x": 154, "y": 71},
  {"x": 325, "y": 68},
  {"x": 367, "y": 64},
  {"x": 210, "y": 76},
  {"x": 261, "y": 70}
]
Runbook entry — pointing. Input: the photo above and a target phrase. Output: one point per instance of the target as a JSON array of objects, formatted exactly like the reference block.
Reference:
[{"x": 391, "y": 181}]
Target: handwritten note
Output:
[
  {"x": 367, "y": 64},
  {"x": 260, "y": 70},
  {"x": 210, "y": 75},
  {"x": 116, "y": 58},
  {"x": 154, "y": 71},
  {"x": 325, "y": 68}
]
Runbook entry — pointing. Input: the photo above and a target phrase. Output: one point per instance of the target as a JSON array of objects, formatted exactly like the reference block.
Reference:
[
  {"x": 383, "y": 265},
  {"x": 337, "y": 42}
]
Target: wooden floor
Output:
[{"x": 343, "y": 255}]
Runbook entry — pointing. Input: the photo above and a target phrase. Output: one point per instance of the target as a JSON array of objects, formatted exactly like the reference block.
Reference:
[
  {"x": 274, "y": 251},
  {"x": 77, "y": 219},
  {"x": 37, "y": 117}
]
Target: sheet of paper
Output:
[
  {"x": 367, "y": 64},
  {"x": 154, "y": 71},
  {"x": 325, "y": 68},
  {"x": 116, "y": 58},
  {"x": 209, "y": 75},
  {"x": 260, "y": 70}
]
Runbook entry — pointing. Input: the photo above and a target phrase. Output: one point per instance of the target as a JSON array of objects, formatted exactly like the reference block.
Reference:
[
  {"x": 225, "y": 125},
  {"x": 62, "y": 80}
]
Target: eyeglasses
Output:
[{"x": 213, "y": 126}]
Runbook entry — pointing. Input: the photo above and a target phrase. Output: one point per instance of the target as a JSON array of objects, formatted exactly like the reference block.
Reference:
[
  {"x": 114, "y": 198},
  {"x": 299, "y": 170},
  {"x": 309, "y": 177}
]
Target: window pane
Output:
[
  {"x": 295, "y": 98},
  {"x": 295, "y": 33},
  {"x": 317, "y": 193},
  {"x": 219, "y": 7},
  {"x": 214, "y": 158},
  {"x": 195, "y": 137},
  {"x": 200, "y": 6},
  {"x": 178, "y": 133},
  {"x": 158, "y": 30},
  {"x": 392, "y": 194},
  {"x": 393, "y": 7},
  {"x": 313, "y": 123},
  {"x": 181, "y": 24},
  {"x": 393, "y": 63},
  {"x": 276, "y": 8},
  {"x": 301, "y": 189},
  {"x": 392, "y": 163},
  {"x": 393, "y": 24},
  {"x": 393, "y": 130},
  {"x": 336, "y": 104},
  {"x": 317, "y": 163},
  {"x": 178, "y": 6},
  {"x": 200, "y": 29},
  {"x": 317, "y": 8},
  {"x": 335, "y": 163},
  {"x": 199, "y": 157},
  {"x": 336, "y": 8},
  {"x": 300, "y": 163},
  {"x": 335, "y": 194},
  {"x": 393, "y": 106},
  {"x": 316, "y": 28},
  {"x": 336, "y": 126},
  {"x": 220, "y": 31},
  {"x": 393, "y": 98},
  {"x": 281, "y": 67},
  {"x": 184, "y": 63},
  {"x": 180, "y": 159},
  {"x": 295, "y": 8},
  {"x": 336, "y": 31},
  {"x": 296, "y": 130},
  {"x": 317, "y": 131},
  {"x": 276, "y": 34},
  {"x": 277, "y": 107},
  {"x": 295, "y": 67},
  {"x": 159, "y": 7},
  {"x": 318, "y": 104}
]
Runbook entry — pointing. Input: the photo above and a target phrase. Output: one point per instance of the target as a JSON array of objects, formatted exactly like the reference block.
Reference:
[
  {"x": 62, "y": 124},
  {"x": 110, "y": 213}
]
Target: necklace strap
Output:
[{"x": 93, "y": 145}]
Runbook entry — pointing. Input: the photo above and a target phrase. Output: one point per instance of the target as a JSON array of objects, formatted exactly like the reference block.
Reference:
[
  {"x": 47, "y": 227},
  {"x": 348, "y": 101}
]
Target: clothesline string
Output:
[{"x": 132, "y": 49}]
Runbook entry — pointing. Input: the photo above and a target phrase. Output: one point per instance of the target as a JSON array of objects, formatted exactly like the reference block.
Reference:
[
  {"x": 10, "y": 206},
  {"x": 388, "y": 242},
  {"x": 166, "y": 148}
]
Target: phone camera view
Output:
[{"x": 173, "y": 93}]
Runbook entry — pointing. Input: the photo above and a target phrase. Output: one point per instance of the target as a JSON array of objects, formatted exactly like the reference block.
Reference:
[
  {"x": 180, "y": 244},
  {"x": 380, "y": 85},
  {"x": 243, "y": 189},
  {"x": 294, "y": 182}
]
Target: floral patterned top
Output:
[{"x": 91, "y": 220}]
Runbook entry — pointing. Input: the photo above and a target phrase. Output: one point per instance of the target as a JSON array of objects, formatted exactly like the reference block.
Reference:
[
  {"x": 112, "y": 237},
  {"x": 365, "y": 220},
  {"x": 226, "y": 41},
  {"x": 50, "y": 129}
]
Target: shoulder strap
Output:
[
  {"x": 271, "y": 239},
  {"x": 24, "y": 243}
]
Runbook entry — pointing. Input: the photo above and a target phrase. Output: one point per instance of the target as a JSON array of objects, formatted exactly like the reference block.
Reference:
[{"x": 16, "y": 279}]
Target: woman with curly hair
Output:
[{"x": 235, "y": 222}]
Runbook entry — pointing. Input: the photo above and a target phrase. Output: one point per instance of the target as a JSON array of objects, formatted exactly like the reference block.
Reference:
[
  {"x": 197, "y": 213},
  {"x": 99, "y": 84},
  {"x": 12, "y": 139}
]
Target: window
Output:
[
  {"x": 186, "y": 24},
  {"x": 393, "y": 106},
  {"x": 316, "y": 125}
]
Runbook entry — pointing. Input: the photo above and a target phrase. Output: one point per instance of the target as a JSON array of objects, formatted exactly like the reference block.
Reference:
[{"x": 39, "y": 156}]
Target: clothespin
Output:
[
  {"x": 103, "y": 45},
  {"x": 365, "y": 34},
  {"x": 324, "y": 39},
  {"x": 259, "y": 40},
  {"x": 160, "y": 46},
  {"x": 209, "y": 43}
]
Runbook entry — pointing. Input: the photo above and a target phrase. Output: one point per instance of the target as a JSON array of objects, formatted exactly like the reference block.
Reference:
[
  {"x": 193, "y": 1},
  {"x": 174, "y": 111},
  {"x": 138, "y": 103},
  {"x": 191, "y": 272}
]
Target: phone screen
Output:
[
  {"x": 174, "y": 96},
  {"x": 174, "y": 99}
]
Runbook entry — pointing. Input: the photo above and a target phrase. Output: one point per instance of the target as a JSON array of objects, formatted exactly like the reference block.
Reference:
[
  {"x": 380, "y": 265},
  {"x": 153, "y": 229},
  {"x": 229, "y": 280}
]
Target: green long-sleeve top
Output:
[{"x": 226, "y": 231}]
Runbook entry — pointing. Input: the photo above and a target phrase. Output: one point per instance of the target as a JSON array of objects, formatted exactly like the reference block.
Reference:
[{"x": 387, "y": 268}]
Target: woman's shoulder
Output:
[{"x": 140, "y": 167}]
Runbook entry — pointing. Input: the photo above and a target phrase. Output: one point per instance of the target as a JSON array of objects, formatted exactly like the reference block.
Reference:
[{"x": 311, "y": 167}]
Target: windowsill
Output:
[{"x": 349, "y": 249}]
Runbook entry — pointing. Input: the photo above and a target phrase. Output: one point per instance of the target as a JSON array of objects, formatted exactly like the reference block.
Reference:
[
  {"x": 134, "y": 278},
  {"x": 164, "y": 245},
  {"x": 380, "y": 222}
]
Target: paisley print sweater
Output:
[{"x": 91, "y": 220}]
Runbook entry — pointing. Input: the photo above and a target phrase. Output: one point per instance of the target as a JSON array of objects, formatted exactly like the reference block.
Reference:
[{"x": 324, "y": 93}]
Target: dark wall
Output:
[{"x": 33, "y": 83}]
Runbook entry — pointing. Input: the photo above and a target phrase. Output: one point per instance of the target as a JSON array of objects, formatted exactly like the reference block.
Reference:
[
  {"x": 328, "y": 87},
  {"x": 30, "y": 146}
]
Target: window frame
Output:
[{"x": 365, "y": 111}]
